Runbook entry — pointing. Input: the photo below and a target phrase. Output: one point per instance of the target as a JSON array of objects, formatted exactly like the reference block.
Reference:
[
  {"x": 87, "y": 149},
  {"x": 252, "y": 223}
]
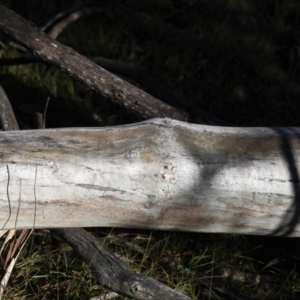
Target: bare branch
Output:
[
  {"x": 148, "y": 82},
  {"x": 7, "y": 117},
  {"x": 60, "y": 16},
  {"x": 111, "y": 272},
  {"x": 73, "y": 17},
  {"x": 85, "y": 71}
]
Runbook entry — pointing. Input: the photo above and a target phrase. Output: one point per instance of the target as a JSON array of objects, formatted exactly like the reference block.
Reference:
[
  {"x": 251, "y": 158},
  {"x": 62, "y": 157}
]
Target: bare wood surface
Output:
[
  {"x": 160, "y": 174},
  {"x": 111, "y": 272},
  {"x": 108, "y": 269}
]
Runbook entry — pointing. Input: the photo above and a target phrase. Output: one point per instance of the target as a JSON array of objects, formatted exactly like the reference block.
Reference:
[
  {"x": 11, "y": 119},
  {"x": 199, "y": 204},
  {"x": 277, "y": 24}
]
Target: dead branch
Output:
[
  {"x": 60, "y": 16},
  {"x": 111, "y": 272},
  {"x": 58, "y": 28},
  {"x": 148, "y": 82},
  {"x": 85, "y": 71},
  {"x": 96, "y": 78},
  {"x": 7, "y": 117}
]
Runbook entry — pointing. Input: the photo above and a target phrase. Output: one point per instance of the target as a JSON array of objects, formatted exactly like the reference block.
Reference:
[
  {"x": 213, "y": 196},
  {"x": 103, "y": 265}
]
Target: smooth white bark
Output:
[{"x": 160, "y": 174}]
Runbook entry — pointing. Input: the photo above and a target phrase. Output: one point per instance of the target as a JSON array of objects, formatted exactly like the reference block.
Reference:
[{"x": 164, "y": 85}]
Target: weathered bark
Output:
[
  {"x": 7, "y": 117},
  {"x": 160, "y": 174},
  {"x": 84, "y": 70},
  {"x": 147, "y": 82},
  {"x": 111, "y": 272},
  {"x": 119, "y": 91}
]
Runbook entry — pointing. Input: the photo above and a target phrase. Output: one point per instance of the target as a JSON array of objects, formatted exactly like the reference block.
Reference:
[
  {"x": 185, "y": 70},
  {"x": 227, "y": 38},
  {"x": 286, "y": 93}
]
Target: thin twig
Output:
[
  {"x": 58, "y": 17},
  {"x": 8, "y": 199},
  {"x": 45, "y": 111},
  {"x": 19, "y": 204}
]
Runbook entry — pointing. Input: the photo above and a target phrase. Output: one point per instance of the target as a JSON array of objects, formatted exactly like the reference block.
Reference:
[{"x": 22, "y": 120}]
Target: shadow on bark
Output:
[{"x": 291, "y": 218}]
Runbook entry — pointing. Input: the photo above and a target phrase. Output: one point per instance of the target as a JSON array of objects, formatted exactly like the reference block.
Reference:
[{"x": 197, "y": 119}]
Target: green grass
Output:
[{"x": 234, "y": 59}]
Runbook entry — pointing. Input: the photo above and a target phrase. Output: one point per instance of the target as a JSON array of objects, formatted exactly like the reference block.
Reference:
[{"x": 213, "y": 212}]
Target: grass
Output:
[
  {"x": 235, "y": 59},
  {"x": 48, "y": 271},
  {"x": 190, "y": 263}
]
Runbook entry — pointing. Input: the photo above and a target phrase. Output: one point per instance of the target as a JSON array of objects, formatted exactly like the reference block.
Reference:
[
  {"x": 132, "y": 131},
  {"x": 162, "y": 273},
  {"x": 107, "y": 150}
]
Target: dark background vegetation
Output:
[{"x": 236, "y": 59}]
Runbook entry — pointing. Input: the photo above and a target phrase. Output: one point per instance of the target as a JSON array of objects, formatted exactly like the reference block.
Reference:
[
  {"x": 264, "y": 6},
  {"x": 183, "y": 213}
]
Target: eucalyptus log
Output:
[{"x": 160, "y": 174}]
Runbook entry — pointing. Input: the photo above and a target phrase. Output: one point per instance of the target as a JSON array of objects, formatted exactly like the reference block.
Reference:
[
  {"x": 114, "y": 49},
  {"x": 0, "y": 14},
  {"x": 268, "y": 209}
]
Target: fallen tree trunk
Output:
[{"x": 160, "y": 174}]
